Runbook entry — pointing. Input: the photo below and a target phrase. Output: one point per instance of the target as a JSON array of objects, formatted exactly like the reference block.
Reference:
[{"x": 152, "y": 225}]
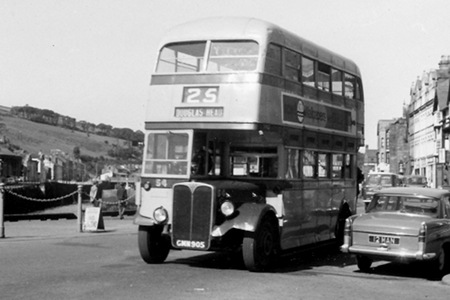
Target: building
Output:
[
  {"x": 442, "y": 122},
  {"x": 383, "y": 145},
  {"x": 429, "y": 125},
  {"x": 398, "y": 147},
  {"x": 370, "y": 161}
]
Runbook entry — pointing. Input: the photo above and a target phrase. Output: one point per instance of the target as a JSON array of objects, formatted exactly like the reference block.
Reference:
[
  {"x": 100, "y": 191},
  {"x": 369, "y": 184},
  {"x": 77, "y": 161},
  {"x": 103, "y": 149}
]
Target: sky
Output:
[{"x": 93, "y": 59}]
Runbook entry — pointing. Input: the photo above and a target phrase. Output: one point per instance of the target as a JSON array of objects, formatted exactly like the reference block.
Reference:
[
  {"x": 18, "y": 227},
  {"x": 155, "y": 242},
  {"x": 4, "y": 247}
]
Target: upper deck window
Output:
[
  {"x": 273, "y": 59},
  {"x": 181, "y": 57},
  {"x": 308, "y": 77},
  {"x": 352, "y": 87},
  {"x": 226, "y": 56},
  {"x": 323, "y": 76},
  {"x": 292, "y": 65},
  {"x": 223, "y": 56}
]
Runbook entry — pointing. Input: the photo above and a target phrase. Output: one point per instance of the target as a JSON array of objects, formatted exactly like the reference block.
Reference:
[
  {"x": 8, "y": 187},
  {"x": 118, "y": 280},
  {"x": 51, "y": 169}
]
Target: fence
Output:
[{"x": 79, "y": 192}]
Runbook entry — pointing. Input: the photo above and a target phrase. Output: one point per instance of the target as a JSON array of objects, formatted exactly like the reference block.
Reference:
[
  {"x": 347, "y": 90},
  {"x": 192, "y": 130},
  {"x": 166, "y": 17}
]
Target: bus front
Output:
[{"x": 204, "y": 96}]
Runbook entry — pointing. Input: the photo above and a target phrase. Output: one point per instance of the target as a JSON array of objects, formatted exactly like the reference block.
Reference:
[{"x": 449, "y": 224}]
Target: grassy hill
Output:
[{"x": 34, "y": 137}]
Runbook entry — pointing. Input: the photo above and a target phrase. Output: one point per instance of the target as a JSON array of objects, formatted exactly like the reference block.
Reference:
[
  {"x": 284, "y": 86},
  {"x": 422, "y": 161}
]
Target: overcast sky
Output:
[{"x": 92, "y": 59}]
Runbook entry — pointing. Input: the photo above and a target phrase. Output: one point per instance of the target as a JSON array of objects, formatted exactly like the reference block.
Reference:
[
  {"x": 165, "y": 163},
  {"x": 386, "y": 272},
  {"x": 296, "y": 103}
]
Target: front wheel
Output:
[
  {"x": 153, "y": 246},
  {"x": 260, "y": 250}
]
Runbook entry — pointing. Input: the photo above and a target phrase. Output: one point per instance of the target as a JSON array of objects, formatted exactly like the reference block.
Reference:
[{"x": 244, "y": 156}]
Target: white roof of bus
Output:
[{"x": 219, "y": 28}]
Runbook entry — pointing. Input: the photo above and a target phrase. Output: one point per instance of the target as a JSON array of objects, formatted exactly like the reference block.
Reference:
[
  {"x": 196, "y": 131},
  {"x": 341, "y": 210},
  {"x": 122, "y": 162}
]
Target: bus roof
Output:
[{"x": 219, "y": 28}]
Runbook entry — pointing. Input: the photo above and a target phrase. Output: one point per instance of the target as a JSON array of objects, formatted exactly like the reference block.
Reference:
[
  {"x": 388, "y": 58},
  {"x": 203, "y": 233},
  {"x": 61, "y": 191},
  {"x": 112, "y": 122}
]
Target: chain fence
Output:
[
  {"x": 40, "y": 200},
  {"x": 10, "y": 190}
]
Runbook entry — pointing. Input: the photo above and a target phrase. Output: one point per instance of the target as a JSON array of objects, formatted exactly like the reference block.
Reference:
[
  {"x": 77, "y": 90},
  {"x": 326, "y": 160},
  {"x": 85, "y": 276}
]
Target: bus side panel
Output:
[
  {"x": 311, "y": 213},
  {"x": 323, "y": 211},
  {"x": 298, "y": 224}
]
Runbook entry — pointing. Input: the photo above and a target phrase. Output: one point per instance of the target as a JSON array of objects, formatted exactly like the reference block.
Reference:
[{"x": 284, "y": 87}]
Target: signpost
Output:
[{"x": 93, "y": 219}]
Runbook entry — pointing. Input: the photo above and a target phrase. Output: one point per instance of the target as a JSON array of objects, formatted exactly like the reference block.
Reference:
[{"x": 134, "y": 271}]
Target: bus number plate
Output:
[{"x": 204, "y": 94}]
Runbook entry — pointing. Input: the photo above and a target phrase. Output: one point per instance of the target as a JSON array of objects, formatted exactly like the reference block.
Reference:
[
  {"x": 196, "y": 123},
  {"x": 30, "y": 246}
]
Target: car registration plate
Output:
[{"x": 384, "y": 239}]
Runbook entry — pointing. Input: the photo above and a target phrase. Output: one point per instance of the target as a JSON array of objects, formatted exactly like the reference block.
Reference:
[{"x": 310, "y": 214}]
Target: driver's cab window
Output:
[
  {"x": 254, "y": 162},
  {"x": 206, "y": 156}
]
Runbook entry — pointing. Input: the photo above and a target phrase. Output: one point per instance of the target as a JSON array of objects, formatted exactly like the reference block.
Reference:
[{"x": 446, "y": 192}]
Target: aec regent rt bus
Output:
[{"x": 251, "y": 138}]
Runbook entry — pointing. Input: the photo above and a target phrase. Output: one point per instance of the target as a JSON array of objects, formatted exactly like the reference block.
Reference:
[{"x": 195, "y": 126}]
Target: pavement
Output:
[{"x": 36, "y": 229}]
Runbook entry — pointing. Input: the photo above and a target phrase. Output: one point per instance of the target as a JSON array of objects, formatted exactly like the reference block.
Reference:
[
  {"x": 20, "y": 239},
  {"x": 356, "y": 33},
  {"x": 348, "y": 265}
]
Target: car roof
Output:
[{"x": 427, "y": 192}]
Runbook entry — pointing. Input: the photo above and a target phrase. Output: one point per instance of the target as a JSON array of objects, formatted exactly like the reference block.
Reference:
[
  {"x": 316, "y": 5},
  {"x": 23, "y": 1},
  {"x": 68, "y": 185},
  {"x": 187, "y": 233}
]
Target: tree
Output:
[{"x": 76, "y": 152}]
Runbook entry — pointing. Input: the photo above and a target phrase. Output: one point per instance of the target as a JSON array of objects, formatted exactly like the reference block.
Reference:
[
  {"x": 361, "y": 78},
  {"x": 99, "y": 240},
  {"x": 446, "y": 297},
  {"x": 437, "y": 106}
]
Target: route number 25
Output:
[{"x": 200, "y": 94}]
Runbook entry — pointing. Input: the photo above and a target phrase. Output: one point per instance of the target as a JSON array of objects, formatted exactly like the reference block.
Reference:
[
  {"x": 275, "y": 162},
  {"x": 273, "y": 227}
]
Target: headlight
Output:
[
  {"x": 147, "y": 186},
  {"x": 227, "y": 208},
  {"x": 160, "y": 215}
]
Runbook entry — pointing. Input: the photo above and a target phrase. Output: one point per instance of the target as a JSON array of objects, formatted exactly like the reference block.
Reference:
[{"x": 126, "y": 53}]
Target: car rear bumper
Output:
[{"x": 387, "y": 254}]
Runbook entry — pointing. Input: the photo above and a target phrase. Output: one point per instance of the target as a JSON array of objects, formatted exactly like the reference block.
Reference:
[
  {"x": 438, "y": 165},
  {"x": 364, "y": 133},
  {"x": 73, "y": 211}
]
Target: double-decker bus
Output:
[{"x": 251, "y": 138}]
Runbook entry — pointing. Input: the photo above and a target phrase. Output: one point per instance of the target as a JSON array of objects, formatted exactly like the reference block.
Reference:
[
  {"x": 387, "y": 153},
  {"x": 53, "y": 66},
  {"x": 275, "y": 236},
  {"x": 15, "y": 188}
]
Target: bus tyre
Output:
[
  {"x": 364, "y": 263},
  {"x": 153, "y": 247},
  {"x": 259, "y": 250}
]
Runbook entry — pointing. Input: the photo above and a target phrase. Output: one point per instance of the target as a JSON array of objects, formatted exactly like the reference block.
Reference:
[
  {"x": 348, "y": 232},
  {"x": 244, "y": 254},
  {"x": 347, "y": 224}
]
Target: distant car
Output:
[
  {"x": 415, "y": 180},
  {"x": 376, "y": 181},
  {"x": 402, "y": 224}
]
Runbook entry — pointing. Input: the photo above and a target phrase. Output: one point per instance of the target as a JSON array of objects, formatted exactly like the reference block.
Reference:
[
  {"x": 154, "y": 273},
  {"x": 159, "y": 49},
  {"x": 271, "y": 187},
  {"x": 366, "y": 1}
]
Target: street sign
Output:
[{"x": 93, "y": 219}]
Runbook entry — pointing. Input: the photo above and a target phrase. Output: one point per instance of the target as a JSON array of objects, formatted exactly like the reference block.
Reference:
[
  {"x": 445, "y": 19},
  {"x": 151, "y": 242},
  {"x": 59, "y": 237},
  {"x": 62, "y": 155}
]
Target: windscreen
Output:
[
  {"x": 404, "y": 204},
  {"x": 167, "y": 153},
  {"x": 383, "y": 180},
  {"x": 220, "y": 57}
]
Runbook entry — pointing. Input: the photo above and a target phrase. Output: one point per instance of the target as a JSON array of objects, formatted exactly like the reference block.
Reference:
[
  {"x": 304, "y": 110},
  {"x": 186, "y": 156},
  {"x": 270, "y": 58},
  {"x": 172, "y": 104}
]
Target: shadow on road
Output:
[
  {"x": 308, "y": 259},
  {"x": 292, "y": 261}
]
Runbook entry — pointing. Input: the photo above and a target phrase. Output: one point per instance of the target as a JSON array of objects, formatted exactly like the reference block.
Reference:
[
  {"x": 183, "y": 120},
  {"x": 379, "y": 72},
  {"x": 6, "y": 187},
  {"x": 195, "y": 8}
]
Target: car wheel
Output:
[
  {"x": 364, "y": 263},
  {"x": 443, "y": 261},
  {"x": 260, "y": 249},
  {"x": 153, "y": 247}
]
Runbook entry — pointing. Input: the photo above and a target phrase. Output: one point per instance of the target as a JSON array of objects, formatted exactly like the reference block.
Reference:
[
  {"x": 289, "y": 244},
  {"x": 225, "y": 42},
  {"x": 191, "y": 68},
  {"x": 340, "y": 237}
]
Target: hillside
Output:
[{"x": 34, "y": 137}]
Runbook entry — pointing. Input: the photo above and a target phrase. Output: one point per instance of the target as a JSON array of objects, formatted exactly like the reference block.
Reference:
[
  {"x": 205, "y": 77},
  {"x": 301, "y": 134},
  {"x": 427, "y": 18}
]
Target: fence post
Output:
[
  {"x": 2, "y": 225},
  {"x": 80, "y": 212}
]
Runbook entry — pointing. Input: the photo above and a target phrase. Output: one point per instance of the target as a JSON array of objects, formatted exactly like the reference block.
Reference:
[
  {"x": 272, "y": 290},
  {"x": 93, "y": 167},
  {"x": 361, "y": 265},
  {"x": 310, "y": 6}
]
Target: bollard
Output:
[
  {"x": 2, "y": 225},
  {"x": 80, "y": 212}
]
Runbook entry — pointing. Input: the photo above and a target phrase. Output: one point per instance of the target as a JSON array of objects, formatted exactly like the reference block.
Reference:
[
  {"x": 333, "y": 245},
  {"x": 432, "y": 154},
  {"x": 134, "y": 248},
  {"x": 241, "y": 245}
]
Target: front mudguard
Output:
[
  {"x": 143, "y": 221},
  {"x": 247, "y": 218}
]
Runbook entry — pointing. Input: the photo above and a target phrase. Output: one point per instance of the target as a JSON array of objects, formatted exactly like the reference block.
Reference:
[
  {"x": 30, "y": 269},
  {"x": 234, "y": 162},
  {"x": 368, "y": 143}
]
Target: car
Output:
[
  {"x": 376, "y": 181},
  {"x": 402, "y": 224},
  {"x": 415, "y": 180}
]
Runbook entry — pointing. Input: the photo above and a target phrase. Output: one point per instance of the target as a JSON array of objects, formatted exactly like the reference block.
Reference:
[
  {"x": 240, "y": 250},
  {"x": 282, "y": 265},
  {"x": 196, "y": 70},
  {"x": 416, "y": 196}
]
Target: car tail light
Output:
[
  {"x": 347, "y": 231},
  {"x": 422, "y": 236}
]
